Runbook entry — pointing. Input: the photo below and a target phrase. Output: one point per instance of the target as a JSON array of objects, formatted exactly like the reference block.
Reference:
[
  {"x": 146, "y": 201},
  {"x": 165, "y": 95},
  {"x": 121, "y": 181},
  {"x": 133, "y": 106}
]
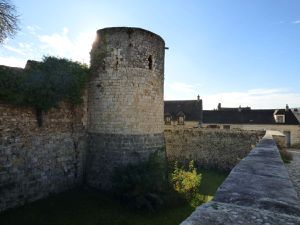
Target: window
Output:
[
  {"x": 168, "y": 120},
  {"x": 150, "y": 62},
  {"x": 181, "y": 120},
  {"x": 280, "y": 119}
]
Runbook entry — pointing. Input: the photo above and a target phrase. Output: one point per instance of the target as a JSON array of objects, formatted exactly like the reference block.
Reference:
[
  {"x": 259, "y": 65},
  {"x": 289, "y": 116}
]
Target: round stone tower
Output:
[{"x": 125, "y": 100}]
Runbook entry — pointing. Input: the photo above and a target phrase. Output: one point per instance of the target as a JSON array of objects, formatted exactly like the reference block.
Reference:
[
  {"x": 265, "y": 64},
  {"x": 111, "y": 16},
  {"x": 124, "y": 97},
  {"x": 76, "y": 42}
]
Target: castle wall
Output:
[
  {"x": 125, "y": 100},
  {"x": 293, "y": 129},
  {"x": 210, "y": 148},
  {"x": 36, "y": 161},
  {"x": 257, "y": 191}
]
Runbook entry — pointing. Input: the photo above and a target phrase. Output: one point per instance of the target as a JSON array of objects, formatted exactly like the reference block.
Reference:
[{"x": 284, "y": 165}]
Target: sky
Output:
[{"x": 237, "y": 52}]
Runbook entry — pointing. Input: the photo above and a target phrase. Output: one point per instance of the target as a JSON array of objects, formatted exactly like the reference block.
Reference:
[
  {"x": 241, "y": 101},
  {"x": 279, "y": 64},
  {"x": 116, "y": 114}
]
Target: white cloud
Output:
[
  {"x": 33, "y": 29},
  {"x": 182, "y": 91},
  {"x": 13, "y": 61},
  {"x": 61, "y": 44},
  {"x": 296, "y": 22},
  {"x": 23, "y": 49},
  {"x": 16, "y": 50},
  {"x": 256, "y": 98}
]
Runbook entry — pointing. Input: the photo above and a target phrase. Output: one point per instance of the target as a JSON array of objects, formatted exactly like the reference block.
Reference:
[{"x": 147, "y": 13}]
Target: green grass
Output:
[
  {"x": 89, "y": 207},
  {"x": 211, "y": 180}
]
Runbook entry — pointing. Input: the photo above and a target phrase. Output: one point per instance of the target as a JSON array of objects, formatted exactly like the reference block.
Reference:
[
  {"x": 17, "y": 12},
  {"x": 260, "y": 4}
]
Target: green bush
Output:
[
  {"x": 11, "y": 84},
  {"x": 54, "y": 80},
  {"x": 187, "y": 182},
  {"x": 143, "y": 185},
  {"x": 150, "y": 185}
]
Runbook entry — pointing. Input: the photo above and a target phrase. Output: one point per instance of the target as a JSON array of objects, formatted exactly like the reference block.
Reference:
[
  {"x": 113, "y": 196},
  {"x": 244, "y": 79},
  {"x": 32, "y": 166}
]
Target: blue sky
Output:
[{"x": 236, "y": 52}]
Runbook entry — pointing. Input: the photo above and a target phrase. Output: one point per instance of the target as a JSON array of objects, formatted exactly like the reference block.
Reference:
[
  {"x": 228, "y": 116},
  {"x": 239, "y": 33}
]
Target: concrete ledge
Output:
[{"x": 257, "y": 191}]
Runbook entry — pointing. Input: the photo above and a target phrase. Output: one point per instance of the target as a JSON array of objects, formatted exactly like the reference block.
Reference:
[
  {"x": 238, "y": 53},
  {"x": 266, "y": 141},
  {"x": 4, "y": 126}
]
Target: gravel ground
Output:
[{"x": 294, "y": 169}]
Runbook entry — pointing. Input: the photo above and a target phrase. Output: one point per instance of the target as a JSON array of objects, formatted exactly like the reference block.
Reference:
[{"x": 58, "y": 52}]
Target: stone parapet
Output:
[{"x": 257, "y": 191}]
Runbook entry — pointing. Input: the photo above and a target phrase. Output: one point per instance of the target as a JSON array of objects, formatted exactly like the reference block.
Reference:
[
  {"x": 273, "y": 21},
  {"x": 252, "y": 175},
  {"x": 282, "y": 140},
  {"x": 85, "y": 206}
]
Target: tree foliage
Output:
[
  {"x": 43, "y": 85},
  {"x": 8, "y": 20},
  {"x": 52, "y": 81},
  {"x": 10, "y": 83}
]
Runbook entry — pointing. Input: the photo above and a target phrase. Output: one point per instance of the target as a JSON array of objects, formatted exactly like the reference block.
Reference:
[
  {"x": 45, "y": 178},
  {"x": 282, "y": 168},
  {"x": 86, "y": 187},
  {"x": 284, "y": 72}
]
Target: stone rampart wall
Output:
[
  {"x": 210, "y": 148},
  {"x": 293, "y": 129},
  {"x": 36, "y": 161}
]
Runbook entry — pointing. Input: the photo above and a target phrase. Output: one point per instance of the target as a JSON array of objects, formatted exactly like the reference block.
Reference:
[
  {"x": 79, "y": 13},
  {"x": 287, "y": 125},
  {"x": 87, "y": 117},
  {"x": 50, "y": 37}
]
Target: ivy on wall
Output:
[{"x": 43, "y": 85}]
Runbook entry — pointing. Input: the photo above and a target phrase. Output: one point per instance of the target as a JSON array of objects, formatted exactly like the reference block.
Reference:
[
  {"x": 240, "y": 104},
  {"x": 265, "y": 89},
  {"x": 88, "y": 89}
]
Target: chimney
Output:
[
  {"x": 240, "y": 108},
  {"x": 287, "y": 107},
  {"x": 219, "y": 106},
  {"x": 198, "y": 98}
]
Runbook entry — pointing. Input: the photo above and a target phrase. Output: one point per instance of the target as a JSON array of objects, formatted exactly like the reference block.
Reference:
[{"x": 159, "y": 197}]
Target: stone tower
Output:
[{"x": 125, "y": 100}]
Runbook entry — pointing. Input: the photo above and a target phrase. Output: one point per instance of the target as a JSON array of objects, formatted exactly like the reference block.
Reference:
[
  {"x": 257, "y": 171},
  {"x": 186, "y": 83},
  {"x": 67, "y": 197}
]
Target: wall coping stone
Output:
[{"x": 257, "y": 191}]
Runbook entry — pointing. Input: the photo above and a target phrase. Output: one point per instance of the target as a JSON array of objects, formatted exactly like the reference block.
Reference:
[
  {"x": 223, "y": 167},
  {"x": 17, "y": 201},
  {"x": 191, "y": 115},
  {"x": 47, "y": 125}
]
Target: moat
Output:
[{"x": 86, "y": 206}]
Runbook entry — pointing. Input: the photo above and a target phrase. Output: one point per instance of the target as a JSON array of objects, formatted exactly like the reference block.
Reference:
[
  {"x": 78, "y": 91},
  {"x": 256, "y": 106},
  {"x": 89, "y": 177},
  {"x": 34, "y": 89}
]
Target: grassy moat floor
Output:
[{"x": 88, "y": 207}]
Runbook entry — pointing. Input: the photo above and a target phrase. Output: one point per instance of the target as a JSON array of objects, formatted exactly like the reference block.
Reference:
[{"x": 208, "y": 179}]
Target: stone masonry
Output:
[
  {"x": 210, "y": 148},
  {"x": 125, "y": 100},
  {"x": 121, "y": 122},
  {"x": 257, "y": 191},
  {"x": 37, "y": 161}
]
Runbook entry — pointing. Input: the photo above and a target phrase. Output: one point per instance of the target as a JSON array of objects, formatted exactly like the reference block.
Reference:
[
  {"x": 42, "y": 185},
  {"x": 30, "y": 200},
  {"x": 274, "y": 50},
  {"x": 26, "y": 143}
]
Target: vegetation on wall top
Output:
[{"x": 43, "y": 85}]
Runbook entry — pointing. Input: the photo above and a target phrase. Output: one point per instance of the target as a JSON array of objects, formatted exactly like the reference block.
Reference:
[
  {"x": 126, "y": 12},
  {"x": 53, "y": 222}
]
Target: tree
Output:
[{"x": 8, "y": 20}]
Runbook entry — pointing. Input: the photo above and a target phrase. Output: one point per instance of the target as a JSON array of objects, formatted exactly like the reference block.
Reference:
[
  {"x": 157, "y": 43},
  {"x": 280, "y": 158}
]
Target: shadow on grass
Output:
[{"x": 211, "y": 180}]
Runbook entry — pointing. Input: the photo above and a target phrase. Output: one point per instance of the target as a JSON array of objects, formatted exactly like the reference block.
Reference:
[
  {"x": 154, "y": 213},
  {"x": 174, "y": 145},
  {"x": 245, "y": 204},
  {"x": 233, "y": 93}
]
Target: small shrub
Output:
[
  {"x": 187, "y": 183},
  {"x": 143, "y": 185}
]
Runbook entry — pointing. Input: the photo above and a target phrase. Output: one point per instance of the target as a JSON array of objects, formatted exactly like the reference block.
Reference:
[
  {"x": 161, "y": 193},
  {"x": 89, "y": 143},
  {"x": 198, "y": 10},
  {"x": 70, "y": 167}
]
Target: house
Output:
[
  {"x": 296, "y": 112},
  {"x": 184, "y": 113},
  {"x": 283, "y": 120}
]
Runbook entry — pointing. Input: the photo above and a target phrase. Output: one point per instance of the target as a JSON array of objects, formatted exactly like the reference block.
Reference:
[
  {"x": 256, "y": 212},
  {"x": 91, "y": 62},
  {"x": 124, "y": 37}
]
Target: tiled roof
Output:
[
  {"x": 192, "y": 109},
  {"x": 253, "y": 116}
]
